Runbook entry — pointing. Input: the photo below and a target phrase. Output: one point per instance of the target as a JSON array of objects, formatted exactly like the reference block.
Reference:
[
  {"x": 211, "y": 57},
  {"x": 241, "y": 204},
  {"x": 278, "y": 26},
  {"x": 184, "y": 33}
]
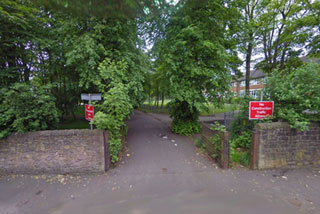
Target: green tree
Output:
[
  {"x": 196, "y": 60},
  {"x": 251, "y": 11},
  {"x": 284, "y": 26},
  {"x": 20, "y": 30},
  {"x": 24, "y": 107},
  {"x": 296, "y": 93}
]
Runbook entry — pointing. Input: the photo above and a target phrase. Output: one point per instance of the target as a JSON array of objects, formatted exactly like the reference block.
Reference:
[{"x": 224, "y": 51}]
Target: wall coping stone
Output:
[{"x": 275, "y": 125}]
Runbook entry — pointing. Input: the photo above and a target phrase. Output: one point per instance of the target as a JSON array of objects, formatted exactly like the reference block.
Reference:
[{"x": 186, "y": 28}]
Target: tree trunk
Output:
[
  {"x": 248, "y": 68},
  {"x": 26, "y": 74},
  {"x": 162, "y": 99},
  {"x": 73, "y": 115},
  {"x": 158, "y": 98},
  {"x": 283, "y": 56}
]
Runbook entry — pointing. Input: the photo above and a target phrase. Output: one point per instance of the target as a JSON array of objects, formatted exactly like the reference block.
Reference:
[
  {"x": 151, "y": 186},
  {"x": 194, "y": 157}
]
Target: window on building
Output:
[
  {"x": 242, "y": 93},
  {"x": 254, "y": 93},
  {"x": 254, "y": 82},
  {"x": 263, "y": 80},
  {"x": 242, "y": 83}
]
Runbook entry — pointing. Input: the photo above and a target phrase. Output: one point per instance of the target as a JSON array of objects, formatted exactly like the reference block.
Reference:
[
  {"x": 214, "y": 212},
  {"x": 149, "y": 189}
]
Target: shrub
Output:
[
  {"x": 200, "y": 144},
  {"x": 114, "y": 110},
  {"x": 238, "y": 156},
  {"x": 184, "y": 118},
  {"x": 295, "y": 91},
  {"x": 186, "y": 128},
  {"x": 243, "y": 140},
  {"x": 24, "y": 107},
  {"x": 115, "y": 147},
  {"x": 116, "y": 87},
  {"x": 240, "y": 134}
]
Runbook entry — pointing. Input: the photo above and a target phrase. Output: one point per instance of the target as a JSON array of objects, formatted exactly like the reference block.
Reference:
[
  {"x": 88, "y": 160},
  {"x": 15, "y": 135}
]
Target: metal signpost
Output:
[{"x": 89, "y": 108}]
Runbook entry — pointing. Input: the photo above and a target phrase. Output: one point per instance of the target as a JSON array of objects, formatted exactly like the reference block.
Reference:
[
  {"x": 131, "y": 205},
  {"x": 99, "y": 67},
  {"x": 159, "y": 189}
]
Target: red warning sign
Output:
[
  {"x": 89, "y": 112},
  {"x": 260, "y": 109}
]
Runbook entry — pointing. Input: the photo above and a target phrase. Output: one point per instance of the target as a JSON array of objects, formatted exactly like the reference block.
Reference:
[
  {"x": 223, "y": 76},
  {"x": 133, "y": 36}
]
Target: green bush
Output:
[
  {"x": 186, "y": 128},
  {"x": 295, "y": 91},
  {"x": 243, "y": 140},
  {"x": 238, "y": 156},
  {"x": 115, "y": 147},
  {"x": 200, "y": 144},
  {"x": 24, "y": 107},
  {"x": 184, "y": 118},
  {"x": 116, "y": 87},
  {"x": 114, "y": 110},
  {"x": 240, "y": 134}
]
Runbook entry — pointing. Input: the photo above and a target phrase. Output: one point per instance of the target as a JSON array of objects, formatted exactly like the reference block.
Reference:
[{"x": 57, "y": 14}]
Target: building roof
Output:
[
  {"x": 255, "y": 74},
  {"x": 310, "y": 59}
]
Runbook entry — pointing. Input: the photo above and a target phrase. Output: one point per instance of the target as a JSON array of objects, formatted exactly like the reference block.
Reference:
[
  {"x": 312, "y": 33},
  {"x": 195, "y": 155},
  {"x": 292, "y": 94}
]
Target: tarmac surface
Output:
[{"x": 163, "y": 173}]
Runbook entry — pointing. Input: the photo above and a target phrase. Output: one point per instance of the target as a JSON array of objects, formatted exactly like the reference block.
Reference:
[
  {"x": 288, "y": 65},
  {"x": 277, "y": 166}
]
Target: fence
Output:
[
  {"x": 220, "y": 152},
  {"x": 228, "y": 117}
]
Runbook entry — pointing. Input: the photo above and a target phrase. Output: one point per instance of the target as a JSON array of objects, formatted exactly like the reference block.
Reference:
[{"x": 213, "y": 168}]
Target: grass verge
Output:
[{"x": 74, "y": 124}]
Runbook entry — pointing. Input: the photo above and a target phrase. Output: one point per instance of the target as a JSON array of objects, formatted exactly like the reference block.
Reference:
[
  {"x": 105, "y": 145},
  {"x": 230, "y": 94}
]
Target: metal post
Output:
[
  {"x": 261, "y": 96},
  {"x": 90, "y": 104}
]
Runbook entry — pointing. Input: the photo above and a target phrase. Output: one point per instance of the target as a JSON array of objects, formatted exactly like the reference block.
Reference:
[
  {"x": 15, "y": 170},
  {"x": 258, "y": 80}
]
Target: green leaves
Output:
[
  {"x": 27, "y": 108},
  {"x": 194, "y": 59},
  {"x": 114, "y": 110},
  {"x": 296, "y": 92},
  {"x": 85, "y": 49},
  {"x": 120, "y": 86}
]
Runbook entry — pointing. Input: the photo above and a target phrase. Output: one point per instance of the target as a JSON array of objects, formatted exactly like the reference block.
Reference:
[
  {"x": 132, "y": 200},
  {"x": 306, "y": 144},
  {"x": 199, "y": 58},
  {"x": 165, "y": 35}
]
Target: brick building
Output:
[{"x": 257, "y": 82}]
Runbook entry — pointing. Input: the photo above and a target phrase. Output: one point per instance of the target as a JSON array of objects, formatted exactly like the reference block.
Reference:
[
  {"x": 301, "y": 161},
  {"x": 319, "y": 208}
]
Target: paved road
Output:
[
  {"x": 165, "y": 117},
  {"x": 163, "y": 173}
]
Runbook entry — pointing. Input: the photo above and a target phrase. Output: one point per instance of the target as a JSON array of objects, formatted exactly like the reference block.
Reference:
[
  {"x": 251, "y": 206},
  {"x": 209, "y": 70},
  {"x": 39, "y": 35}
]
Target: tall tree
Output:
[
  {"x": 195, "y": 60},
  {"x": 282, "y": 31},
  {"x": 313, "y": 20},
  {"x": 251, "y": 11},
  {"x": 20, "y": 31}
]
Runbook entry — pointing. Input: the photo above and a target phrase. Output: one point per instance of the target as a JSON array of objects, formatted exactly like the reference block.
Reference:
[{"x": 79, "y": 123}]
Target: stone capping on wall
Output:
[
  {"x": 223, "y": 157},
  {"x": 276, "y": 145},
  {"x": 55, "y": 152}
]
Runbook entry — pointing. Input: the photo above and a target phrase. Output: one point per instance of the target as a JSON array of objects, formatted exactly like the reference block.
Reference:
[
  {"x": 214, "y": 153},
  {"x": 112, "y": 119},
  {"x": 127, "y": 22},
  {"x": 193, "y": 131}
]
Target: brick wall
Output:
[
  {"x": 60, "y": 151},
  {"x": 276, "y": 145}
]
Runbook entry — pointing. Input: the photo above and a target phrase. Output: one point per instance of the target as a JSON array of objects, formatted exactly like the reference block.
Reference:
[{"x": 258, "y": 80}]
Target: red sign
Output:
[
  {"x": 260, "y": 109},
  {"x": 89, "y": 112},
  {"x": 89, "y": 107}
]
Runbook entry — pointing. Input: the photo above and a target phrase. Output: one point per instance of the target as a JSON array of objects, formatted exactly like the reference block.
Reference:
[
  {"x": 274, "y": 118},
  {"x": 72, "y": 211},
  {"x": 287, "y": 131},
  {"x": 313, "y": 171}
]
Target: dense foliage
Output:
[
  {"x": 195, "y": 61},
  {"x": 52, "y": 51},
  {"x": 73, "y": 53},
  {"x": 296, "y": 93},
  {"x": 24, "y": 107},
  {"x": 116, "y": 105},
  {"x": 241, "y": 133}
]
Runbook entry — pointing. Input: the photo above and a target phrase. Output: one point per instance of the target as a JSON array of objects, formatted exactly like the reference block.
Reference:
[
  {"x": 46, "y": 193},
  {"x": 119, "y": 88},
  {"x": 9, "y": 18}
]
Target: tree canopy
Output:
[{"x": 128, "y": 49}]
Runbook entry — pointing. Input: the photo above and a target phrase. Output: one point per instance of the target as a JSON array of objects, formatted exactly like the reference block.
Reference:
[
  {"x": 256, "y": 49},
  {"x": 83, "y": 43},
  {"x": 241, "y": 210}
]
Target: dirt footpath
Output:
[{"x": 163, "y": 173}]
